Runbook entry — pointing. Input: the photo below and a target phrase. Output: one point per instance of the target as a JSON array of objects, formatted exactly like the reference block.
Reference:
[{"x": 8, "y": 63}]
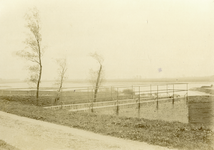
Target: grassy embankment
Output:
[
  {"x": 201, "y": 110},
  {"x": 168, "y": 134},
  {"x": 5, "y": 146},
  {"x": 205, "y": 90}
]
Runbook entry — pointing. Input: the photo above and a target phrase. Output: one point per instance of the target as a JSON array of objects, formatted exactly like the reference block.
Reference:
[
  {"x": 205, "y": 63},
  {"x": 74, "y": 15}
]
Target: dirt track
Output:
[{"x": 30, "y": 134}]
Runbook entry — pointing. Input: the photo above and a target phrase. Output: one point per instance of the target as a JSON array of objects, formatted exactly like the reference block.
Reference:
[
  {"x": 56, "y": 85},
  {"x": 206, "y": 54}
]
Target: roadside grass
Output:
[
  {"x": 156, "y": 132},
  {"x": 5, "y": 146},
  {"x": 30, "y": 100}
]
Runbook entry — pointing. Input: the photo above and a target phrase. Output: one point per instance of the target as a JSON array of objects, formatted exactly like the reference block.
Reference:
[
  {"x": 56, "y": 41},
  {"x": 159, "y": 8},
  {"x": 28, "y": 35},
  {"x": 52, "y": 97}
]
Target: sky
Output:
[{"x": 137, "y": 38}]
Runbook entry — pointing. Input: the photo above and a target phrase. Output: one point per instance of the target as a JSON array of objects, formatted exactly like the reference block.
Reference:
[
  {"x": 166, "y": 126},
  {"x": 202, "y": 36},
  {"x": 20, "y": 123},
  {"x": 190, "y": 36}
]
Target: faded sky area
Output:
[{"x": 147, "y": 38}]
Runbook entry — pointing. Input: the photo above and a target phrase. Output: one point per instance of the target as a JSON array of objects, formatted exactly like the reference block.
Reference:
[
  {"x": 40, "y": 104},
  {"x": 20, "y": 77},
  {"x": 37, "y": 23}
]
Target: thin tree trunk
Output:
[
  {"x": 40, "y": 74},
  {"x": 60, "y": 87},
  {"x": 97, "y": 84},
  {"x": 59, "y": 90},
  {"x": 38, "y": 83}
]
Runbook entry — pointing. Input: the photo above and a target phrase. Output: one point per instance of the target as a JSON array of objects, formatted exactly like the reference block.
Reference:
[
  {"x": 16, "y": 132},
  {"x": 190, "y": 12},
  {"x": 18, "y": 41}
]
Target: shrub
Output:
[{"x": 128, "y": 91}]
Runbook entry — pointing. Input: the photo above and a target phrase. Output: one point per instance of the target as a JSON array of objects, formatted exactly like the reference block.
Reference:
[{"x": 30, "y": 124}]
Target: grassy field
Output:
[
  {"x": 166, "y": 110},
  {"x": 157, "y": 132},
  {"x": 5, "y": 146},
  {"x": 47, "y": 98}
]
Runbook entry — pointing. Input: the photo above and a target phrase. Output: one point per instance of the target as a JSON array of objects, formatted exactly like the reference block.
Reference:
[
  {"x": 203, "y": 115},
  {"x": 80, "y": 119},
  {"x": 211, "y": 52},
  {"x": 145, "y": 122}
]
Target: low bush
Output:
[{"x": 128, "y": 91}]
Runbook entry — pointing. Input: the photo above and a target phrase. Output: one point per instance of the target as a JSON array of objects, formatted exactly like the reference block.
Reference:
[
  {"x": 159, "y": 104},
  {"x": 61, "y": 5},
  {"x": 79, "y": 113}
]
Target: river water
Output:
[
  {"x": 72, "y": 85},
  {"x": 25, "y": 85}
]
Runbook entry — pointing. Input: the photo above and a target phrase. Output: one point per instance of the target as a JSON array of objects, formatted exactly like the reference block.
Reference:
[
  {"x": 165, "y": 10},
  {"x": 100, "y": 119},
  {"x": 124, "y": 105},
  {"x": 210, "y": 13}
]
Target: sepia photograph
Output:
[{"x": 107, "y": 75}]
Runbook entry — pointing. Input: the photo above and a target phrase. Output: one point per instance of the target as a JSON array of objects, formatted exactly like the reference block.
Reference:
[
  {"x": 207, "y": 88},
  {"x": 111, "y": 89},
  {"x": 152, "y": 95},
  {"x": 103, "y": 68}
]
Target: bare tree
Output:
[
  {"x": 33, "y": 51},
  {"x": 62, "y": 63},
  {"x": 97, "y": 77}
]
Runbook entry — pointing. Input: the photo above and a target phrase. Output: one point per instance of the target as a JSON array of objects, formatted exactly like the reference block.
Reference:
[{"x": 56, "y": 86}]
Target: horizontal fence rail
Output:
[{"x": 111, "y": 95}]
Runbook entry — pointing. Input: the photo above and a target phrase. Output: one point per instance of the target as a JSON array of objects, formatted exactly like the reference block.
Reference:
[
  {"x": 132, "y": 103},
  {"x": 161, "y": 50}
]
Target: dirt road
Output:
[{"x": 30, "y": 134}]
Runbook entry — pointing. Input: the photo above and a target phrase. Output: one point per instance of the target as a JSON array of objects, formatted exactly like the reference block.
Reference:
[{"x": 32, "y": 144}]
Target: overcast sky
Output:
[{"x": 147, "y": 38}]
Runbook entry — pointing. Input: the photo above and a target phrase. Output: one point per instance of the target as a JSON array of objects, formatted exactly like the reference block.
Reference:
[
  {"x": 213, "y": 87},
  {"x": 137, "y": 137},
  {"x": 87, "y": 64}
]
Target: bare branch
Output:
[
  {"x": 34, "y": 69},
  {"x": 97, "y": 57},
  {"x": 28, "y": 56},
  {"x": 34, "y": 78}
]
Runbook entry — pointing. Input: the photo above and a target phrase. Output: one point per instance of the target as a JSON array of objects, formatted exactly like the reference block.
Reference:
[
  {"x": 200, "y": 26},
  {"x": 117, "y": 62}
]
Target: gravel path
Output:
[{"x": 29, "y": 134}]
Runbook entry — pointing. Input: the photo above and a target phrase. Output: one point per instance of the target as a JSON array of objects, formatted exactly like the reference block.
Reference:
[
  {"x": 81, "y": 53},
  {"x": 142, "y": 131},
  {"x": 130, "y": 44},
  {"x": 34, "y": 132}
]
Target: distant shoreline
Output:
[{"x": 187, "y": 79}]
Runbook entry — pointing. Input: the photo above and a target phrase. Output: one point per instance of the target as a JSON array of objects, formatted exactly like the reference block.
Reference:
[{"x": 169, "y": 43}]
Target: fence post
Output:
[
  {"x": 111, "y": 94},
  {"x": 92, "y": 94},
  {"x": 132, "y": 92},
  {"x": 167, "y": 90},
  {"x": 61, "y": 97},
  {"x": 150, "y": 91},
  {"x": 92, "y": 101},
  {"x": 139, "y": 104},
  {"x": 157, "y": 98},
  {"x": 173, "y": 96},
  {"x": 117, "y": 107},
  {"x": 187, "y": 93},
  {"x": 92, "y": 107},
  {"x": 88, "y": 95}
]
